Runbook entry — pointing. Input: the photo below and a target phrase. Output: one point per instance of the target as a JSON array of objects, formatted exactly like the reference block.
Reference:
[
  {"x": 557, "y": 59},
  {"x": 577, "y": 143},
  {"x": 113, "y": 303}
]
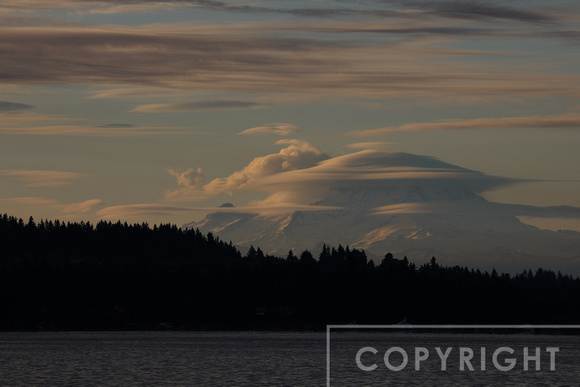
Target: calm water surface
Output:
[{"x": 265, "y": 359}]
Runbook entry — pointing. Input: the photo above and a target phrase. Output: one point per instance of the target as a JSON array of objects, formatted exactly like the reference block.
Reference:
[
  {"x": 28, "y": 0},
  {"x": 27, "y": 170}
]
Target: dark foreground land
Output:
[{"x": 114, "y": 276}]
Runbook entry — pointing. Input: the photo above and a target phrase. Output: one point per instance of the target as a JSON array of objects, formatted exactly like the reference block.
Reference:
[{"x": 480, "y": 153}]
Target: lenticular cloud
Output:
[{"x": 394, "y": 202}]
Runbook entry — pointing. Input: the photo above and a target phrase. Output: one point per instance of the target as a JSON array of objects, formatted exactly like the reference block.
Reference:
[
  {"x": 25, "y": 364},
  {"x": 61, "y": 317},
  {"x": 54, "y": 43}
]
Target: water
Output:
[
  {"x": 162, "y": 358},
  {"x": 269, "y": 359}
]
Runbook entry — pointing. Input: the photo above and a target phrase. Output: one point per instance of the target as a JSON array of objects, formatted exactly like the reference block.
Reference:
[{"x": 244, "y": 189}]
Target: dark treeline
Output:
[{"x": 56, "y": 275}]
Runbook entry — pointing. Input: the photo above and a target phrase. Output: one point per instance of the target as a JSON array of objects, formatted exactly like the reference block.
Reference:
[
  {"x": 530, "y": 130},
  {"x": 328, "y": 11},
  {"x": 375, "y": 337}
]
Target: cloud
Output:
[
  {"x": 70, "y": 208},
  {"x": 82, "y": 207},
  {"x": 280, "y": 129},
  {"x": 22, "y": 117},
  {"x": 192, "y": 181},
  {"x": 17, "y": 120},
  {"x": 379, "y": 169},
  {"x": 478, "y": 10},
  {"x": 300, "y": 175},
  {"x": 42, "y": 178},
  {"x": 13, "y": 107},
  {"x": 115, "y": 126},
  {"x": 410, "y": 9},
  {"x": 143, "y": 210},
  {"x": 297, "y": 155},
  {"x": 302, "y": 178},
  {"x": 199, "y": 106},
  {"x": 480, "y": 207},
  {"x": 135, "y": 210},
  {"x": 189, "y": 178},
  {"x": 138, "y": 93},
  {"x": 570, "y": 120},
  {"x": 291, "y": 58},
  {"x": 389, "y": 183},
  {"x": 371, "y": 145},
  {"x": 114, "y": 130}
]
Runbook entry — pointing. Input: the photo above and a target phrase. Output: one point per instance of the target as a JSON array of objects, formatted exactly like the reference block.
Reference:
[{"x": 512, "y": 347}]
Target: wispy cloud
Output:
[
  {"x": 64, "y": 208},
  {"x": 17, "y": 119},
  {"x": 280, "y": 129},
  {"x": 478, "y": 208},
  {"x": 82, "y": 207},
  {"x": 143, "y": 210},
  {"x": 477, "y": 10},
  {"x": 34, "y": 201},
  {"x": 23, "y": 117},
  {"x": 253, "y": 58},
  {"x": 191, "y": 181},
  {"x": 408, "y": 9},
  {"x": 113, "y": 126},
  {"x": 107, "y": 130},
  {"x": 42, "y": 178},
  {"x": 138, "y": 93},
  {"x": 136, "y": 210},
  {"x": 13, "y": 107},
  {"x": 371, "y": 145},
  {"x": 189, "y": 178},
  {"x": 199, "y": 106},
  {"x": 571, "y": 120}
]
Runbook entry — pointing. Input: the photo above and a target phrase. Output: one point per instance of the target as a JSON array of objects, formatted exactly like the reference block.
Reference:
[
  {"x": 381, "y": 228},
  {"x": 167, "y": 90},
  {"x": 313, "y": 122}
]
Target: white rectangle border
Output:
[{"x": 412, "y": 326}]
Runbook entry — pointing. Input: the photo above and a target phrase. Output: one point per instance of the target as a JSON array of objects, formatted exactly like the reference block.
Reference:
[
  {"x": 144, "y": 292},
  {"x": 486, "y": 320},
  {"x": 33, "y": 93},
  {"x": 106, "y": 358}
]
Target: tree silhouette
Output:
[{"x": 57, "y": 275}]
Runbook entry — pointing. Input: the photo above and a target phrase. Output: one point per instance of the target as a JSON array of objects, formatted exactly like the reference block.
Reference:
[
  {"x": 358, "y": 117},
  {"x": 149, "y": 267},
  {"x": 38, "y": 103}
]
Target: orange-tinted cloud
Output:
[
  {"x": 42, "y": 178},
  {"x": 141, "y": 210},
  {"x": 302, "y": 178},
  {"x": 280, "y": 129},
  {"x": 405, "y": 10},
  {"x": 249, "y": 58},
  {"x": 480, "y": 207},
  {"x": 570, "y": 120},
  {"x": 371, "y": 145},
  {"x": 198, "y": 106},
  {"x": 107, "y": 130},
  {"x": 64, "y": 208},
  {"x": 189, "y": 178},
  {"x": 297, "y": 155}
]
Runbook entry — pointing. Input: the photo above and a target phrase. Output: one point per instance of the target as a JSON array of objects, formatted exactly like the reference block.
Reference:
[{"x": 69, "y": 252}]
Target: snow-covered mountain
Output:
[{"x": 417, "y": 219}]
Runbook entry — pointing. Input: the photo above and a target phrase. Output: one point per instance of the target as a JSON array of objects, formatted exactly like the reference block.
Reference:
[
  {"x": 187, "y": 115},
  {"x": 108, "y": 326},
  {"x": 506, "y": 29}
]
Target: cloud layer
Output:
[
  {"x": 42, "y": 178},
  {"x": 302, "y": 178},
  {"x": 63, "y": 208},
  {"x": 13, "y": 107},
  {"x": 280, "y": 129},
  {"x": 408, "y": 9},
  {"x": 414, "y": 55},
  {"x": 198, "y": 106},
  {"x": 571, "y": 120}
]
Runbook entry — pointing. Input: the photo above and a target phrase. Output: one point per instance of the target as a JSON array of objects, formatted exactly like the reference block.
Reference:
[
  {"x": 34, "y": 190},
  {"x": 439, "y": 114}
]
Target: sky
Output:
[{"x": 160, "y": 111}]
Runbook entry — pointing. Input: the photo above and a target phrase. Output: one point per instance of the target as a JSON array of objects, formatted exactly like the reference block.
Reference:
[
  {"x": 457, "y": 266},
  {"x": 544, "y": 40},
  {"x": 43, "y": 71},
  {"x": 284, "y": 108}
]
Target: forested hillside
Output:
[{"x": 56, "y": 275}]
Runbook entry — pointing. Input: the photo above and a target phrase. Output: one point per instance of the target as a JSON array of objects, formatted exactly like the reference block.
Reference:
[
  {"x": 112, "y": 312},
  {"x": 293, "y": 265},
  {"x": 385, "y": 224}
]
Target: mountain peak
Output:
[{"x": 401, "y": 203}]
